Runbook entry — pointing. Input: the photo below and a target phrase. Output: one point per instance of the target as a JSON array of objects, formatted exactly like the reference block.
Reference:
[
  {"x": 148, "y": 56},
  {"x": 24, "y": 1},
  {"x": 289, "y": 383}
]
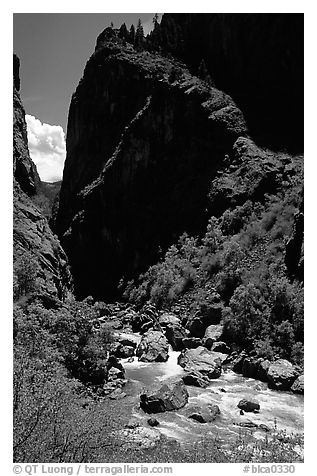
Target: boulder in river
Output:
[
  {"x": 153, "y": 347},
  {"x": 248, "y": 405},
  {"x": 212, "y": 334},
  {"x": 126, "y": 340},
  {"x": 168, "y": 319},
  {"x": 175, "y": 333},
  {"x": 298, "y": 385},
  {"x": 192, "y": 342},
  {"x": 202, "y": 360},
  {"x": 196, "y": 379},
  {"x": 153, "y": 422},
  {"x": 202, "y": 413},
  {"x": 220, "y": 347},
  {"x": 263, "y": 368},
  {"x": 250, "y": 367},
  {"x": 281, "y": 375},
  {"x": 170, "y": 396},
  {"x": 114, "y": 374},
  {"x": 247, "y": 424}
]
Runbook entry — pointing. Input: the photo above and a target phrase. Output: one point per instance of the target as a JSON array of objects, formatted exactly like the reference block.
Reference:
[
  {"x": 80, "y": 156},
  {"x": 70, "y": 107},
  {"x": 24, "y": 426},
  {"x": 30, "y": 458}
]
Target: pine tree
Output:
[
  {"x": 111, "y": 25},
  {"x": 155, "y": 35},
  {"x": 139, "y": 36},
  {"x": 155, "y": 20},
  {"x": 123, "y": 32},
  {"x": 132, "y": 35}
]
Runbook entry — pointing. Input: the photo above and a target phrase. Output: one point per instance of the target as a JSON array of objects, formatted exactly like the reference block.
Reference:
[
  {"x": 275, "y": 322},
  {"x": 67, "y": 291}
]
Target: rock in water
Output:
[
  {"x": 248, "y": 405},
  {"x": 281, "y": 375},
  {"x": 175, "y": 333},
  {"x": 196, "y": 379},
  {"x": 202, "y": 413},
  {"x": 212, "y": 334},
  {"x": 202, "y": 360},
  {"x": 153, "y": 422},
  {"x": 298, "y": 385},
  {"x": 168, "y": 319},
  {"x": 192, "y": 342},
  {"x": 153, "y": 347},
  {"x": 170, "y": 396},
  {"x": 221, "y": 347}
]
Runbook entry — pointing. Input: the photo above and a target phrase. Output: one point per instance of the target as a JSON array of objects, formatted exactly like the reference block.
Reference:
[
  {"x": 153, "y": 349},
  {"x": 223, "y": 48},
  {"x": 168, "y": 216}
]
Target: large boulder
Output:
[
  {"x": 250, "y": 367},
  {"x": 128, "y": 340},
  {"x": 175, "y": 333},
  {"x": 221, "y": 347},
  {"x": 115, "y": 374},
  {"x": 248, "y": 405},
  {"x": 263, "y": 368},
  {"x": 202, "y": 413},
  {"x": 212, "y": 334},
  {"x": 192, "y": 342},
  {"x": 153, "y": 347},
  {"x": 298, "y": 385},
  {"x": 202, "y": 360},
  {"x": 196, "y": 379},
  {"x": 281, "y": 375},
  {"x": 170, "y": 396},
  {"x": 237, "y": 363},
  {"x": 167, "y": 319},
  {"x": 198, "y": 323}
]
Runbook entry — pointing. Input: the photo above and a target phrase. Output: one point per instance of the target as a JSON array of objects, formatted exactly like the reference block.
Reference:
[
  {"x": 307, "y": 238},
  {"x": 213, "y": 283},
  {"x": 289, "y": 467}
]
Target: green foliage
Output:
[
  {"x": 70, "y": 332},
  {"x": 241, "y": 258},
  {"x": 25, "y": 273},
  {"x": 247, "y": 317},
  {"x": 167, "y": 280},
  {"x": 54, "y": 419},
  {"x": 139, "y": 36}
]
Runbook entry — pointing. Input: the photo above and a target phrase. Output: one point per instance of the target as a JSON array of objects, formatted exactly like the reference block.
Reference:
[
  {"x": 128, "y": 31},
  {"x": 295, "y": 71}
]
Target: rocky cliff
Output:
[
  {"x": 256, "y": 58},
  {"x": 144, "y": 140},
  {"x": 37, "y": 250}
]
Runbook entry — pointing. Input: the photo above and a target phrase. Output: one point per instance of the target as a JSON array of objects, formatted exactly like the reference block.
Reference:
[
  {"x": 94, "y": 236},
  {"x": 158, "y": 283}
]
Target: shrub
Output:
[
  {"x": 25, "y": 271},
  {"x": 248, "y": 317}
]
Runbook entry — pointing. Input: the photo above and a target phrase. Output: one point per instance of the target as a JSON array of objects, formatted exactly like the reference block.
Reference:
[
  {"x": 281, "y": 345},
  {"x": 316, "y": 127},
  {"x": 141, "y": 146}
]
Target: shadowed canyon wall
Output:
[{"x": 33, "y": 240}]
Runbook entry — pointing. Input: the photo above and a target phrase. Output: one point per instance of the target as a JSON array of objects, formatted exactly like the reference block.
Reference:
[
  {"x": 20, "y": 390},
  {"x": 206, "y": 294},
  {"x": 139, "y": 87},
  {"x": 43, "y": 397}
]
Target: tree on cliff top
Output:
[
  {"x": 123, "y": 32},
  {"x": 132, "y": 34},
  {"x": 139, "y": 36}
]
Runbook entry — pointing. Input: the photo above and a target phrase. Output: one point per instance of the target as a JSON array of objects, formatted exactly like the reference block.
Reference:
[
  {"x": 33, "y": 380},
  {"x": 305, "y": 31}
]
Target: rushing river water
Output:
[{"x": 283, "y": 409}]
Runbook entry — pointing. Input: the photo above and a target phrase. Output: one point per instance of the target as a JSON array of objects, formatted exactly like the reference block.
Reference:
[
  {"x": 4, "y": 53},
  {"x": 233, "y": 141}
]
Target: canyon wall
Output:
[
  {"x": 144, "y": 140},
  {"x": 33, "y": 240}
]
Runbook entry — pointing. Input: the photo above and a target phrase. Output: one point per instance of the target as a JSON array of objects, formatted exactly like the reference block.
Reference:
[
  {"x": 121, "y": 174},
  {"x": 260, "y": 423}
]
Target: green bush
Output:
[{"x": 25, "y": 273}]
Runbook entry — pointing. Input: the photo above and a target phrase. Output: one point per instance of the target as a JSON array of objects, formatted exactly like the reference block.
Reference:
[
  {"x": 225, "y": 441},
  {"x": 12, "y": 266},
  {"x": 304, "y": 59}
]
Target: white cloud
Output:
[{"x": 47, "y": 148}]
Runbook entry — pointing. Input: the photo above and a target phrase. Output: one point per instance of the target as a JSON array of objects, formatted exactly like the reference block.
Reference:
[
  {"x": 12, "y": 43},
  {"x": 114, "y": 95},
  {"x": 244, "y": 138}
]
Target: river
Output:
[{"x": 283, "y": 410}]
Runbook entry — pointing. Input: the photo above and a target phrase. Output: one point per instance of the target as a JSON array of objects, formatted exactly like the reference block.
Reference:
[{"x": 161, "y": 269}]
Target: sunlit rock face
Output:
[{"x": 144, "y": 140}]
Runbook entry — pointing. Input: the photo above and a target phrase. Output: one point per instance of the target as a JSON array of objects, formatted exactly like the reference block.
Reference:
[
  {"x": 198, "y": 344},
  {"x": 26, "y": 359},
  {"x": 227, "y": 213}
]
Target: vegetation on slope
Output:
[{"x": 240, "y": 263}]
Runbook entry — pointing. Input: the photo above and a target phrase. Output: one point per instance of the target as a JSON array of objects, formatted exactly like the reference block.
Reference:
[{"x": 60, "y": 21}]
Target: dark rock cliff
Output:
[
  {"x": 32, "y": 236},
  {"x": 24, "y": 170},
  {"x": 256, "y": 58},
  {"x": 144, "y": 140}
]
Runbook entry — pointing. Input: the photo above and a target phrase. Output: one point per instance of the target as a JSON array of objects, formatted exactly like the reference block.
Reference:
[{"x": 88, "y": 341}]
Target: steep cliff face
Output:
[
  {"x": 24, "y": 170},
  {"x": 144, "y": 140},
  {"x": 256, "y": 58},
  {"x": 33, "y": 239}
]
